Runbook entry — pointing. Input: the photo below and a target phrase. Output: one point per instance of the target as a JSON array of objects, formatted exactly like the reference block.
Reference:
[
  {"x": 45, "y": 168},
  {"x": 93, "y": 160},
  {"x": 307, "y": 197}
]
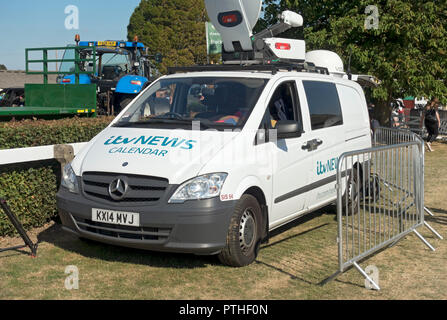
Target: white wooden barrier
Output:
[{"x": 23, "y": 155}]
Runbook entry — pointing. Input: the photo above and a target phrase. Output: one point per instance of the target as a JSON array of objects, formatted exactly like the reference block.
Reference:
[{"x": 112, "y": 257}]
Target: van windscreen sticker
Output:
[{"x": 151, "y": 145}]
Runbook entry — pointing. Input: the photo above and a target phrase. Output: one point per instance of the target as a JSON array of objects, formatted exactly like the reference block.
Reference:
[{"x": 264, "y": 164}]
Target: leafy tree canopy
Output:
[
  {"x": 3, "y": 67},
  {"x": 174, "y": 28},
  {"x": 408, "y": 51}
]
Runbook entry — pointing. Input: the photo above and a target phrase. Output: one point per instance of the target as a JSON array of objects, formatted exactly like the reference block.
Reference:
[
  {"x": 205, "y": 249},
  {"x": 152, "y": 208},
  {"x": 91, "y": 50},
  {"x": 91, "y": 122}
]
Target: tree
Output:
[
  {"x": 174, "y": 28},
  {"x": 408, "y": 51},
  {"x": 3, "y": 67}
]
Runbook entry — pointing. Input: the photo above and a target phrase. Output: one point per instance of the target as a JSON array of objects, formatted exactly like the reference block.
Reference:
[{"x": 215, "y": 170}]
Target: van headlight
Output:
[
  {"x": 200, "y": 188},
  {"x": 69, "y": 179}
]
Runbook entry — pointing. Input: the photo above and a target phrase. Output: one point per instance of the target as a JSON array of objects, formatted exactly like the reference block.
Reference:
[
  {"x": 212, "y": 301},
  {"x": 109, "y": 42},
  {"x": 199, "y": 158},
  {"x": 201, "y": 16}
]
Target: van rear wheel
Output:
[
  {"x": 352, "y": 195},
  {"x": 244, "y": 234}
]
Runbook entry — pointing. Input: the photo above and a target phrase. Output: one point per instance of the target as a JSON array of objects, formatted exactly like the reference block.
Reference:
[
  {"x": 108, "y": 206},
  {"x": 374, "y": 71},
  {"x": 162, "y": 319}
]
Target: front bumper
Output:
[{"x": 198, "y": 227}]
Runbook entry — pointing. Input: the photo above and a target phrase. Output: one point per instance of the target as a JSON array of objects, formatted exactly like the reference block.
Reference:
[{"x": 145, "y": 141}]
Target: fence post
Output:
[{"x": 63, "y": 154}]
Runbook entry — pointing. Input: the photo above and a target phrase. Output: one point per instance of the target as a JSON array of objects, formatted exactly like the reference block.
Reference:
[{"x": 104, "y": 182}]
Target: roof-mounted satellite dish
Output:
[
  {"x": 235, "y": 20},
  {"x": 327, "y": 59}
]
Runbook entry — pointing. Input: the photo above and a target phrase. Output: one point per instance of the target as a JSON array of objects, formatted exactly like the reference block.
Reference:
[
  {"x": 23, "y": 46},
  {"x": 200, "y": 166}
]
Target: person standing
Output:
[
  {"x": 432, "y": 121},
  {"x": 374, "y": 123}
]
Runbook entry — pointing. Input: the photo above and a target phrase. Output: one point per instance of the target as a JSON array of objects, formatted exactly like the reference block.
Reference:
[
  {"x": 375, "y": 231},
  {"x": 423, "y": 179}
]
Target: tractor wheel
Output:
[{"x": 121, "y": 102}]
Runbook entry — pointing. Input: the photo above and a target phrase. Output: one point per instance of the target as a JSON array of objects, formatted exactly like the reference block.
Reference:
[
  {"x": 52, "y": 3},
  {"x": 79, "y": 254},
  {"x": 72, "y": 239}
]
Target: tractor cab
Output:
[{"x": 122, "y": 69}]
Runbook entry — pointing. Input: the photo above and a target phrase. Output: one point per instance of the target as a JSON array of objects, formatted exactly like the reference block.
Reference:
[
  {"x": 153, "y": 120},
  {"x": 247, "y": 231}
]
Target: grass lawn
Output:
[{"x": 291, "y": 266}]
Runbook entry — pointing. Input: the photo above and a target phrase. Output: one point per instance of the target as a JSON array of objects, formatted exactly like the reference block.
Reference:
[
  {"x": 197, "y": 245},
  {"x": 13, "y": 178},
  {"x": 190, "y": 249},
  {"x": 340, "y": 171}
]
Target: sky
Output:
[{"x": 42, "y": 23}]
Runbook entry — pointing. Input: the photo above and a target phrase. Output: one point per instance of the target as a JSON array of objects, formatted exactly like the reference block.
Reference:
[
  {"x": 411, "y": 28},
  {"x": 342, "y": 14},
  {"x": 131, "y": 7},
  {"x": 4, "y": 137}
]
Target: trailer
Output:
[{"x": 52, "y": 101}]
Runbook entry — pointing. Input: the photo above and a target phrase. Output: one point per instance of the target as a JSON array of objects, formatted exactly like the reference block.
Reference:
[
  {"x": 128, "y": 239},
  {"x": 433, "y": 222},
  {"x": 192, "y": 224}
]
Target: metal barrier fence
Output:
[
  {"x": 412, "y": 122},
  {"x": 379, "y": 201},
  {"x": 443, "y": 128},
  {"x": 389, "y": 136},
  {"x": 380, "y": 197}
]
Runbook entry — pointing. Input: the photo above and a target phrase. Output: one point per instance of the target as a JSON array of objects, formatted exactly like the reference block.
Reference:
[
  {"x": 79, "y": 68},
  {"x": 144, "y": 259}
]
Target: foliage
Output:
[
  {"x": 174, "y": 28},
  {"x": 30, "y": 133},
  {"x": 408, "y": 51},
  {"x": 3, "y": 67},
  {"x": 31, "y": 189},
  {"x": 31, "y": 195}
]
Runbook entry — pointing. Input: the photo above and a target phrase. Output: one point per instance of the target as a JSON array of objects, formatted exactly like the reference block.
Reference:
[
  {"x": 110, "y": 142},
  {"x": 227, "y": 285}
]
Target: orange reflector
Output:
[
  {"x": 66, "y": 81},
  {"x": 282, "y": 46},
  {"x": 135, "y": 82}
]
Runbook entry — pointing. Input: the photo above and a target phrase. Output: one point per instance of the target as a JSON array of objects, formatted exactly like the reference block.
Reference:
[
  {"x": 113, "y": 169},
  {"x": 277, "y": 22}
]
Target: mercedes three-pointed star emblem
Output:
[{"x": 118, "y": 189}]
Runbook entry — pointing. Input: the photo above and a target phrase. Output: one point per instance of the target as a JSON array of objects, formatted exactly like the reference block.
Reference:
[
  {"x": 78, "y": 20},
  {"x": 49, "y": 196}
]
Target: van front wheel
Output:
[{"x": 244, "y": 234}]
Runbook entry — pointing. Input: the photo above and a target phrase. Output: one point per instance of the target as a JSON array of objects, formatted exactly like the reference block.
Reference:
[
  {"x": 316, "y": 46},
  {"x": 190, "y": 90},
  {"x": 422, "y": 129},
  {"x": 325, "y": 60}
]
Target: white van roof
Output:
[{"x": 251, "y": 74}]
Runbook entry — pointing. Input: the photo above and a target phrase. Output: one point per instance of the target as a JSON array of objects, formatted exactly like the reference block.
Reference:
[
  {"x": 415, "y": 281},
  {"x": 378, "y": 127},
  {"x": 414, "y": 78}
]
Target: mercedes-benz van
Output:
[{"x": 209, "y": 162}]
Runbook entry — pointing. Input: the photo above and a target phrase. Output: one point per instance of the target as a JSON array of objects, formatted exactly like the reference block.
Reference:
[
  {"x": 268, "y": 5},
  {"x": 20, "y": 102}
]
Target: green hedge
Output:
[
  {"x": 30, "y": 189},
  {"x": 31, "y": 195},
  {"x": 31, "y": 133}
]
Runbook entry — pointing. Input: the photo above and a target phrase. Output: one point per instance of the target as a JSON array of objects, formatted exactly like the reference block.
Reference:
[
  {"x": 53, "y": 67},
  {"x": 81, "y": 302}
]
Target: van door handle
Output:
[
  {"x": 312, "y": 145},
  {"x": 318, "y": 142}
]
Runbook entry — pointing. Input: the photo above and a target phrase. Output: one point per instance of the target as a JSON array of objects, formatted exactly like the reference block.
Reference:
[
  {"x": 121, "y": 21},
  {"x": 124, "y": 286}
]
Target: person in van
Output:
[
  {"x": 432, "y": 121},
  {"x": 280, "y": 107}
]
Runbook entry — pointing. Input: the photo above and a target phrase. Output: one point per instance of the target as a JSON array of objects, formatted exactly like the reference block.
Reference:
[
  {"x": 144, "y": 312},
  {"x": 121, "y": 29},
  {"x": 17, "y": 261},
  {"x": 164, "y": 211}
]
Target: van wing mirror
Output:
[{"x": 288, "y": 129}]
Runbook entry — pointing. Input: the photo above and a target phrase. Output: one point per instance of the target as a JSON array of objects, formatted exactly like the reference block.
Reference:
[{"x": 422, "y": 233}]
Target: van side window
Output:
[
  {"x": 284, "y": 104},
  {"x": 324, "y": 104}
]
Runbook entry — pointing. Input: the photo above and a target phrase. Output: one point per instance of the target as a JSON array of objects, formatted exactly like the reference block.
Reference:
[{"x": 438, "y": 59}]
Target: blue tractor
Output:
[{"x": 123, "y": 70}]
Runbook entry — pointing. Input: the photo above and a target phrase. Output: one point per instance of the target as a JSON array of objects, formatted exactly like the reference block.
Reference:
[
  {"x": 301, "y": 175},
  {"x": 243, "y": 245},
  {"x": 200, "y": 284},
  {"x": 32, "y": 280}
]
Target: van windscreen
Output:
[{"x": 215, "y": 102}]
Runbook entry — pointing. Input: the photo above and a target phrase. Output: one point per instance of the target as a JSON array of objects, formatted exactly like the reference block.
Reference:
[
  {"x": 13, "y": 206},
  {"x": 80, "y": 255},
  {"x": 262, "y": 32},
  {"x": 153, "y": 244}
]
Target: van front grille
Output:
[
  {"x": 142, "y": 190},
  {"x": 123, "y": 232}
]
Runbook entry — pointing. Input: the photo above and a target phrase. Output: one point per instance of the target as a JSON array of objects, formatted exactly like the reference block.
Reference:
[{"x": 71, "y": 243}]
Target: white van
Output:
[
  {"x": 208, "y": 160},
  {"x": 193, "y": 164}
]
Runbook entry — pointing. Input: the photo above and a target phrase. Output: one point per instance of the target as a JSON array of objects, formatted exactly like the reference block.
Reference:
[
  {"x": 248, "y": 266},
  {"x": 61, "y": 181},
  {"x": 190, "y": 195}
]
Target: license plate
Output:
[
  {"x": 116, "y": 217},
  {"x": 107, "y": 43}
]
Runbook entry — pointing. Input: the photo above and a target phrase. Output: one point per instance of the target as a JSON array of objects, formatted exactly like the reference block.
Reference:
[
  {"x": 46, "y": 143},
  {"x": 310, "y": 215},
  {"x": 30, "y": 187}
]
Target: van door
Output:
[
  {"x": 291, "y": 163},
  {"x": 326, "y": 140}
]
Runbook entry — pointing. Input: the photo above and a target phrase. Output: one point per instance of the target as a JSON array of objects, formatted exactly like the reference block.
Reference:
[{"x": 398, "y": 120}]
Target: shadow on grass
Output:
[
  {"x": 326, "y": 210},
  {"x": 14, "y": 253},
  {"x": 292, "y": 276},
  {"x": 440, "y": 216},
  {"x": 295, "y": 274},
  {"x": 96, "y": 250}
]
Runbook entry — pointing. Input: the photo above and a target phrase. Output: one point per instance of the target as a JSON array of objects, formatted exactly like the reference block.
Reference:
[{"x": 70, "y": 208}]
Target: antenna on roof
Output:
[{"x": 349, "y": 65}]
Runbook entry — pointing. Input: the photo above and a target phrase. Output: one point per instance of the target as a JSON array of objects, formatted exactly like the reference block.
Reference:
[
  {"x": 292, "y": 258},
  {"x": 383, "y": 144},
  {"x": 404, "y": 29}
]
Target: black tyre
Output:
[
  {"x": 373, "y": 190},
  {"x": 122, "y": 104},
  {"x": 352, "y": 194},
  {"x": 244, "y": 234},
  {"x": 121, "y": 101}
]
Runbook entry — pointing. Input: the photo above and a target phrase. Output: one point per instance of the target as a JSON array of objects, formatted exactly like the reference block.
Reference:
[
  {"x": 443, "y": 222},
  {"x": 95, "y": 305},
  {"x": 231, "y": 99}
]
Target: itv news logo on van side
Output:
[{"x": 326, "y": 167}]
